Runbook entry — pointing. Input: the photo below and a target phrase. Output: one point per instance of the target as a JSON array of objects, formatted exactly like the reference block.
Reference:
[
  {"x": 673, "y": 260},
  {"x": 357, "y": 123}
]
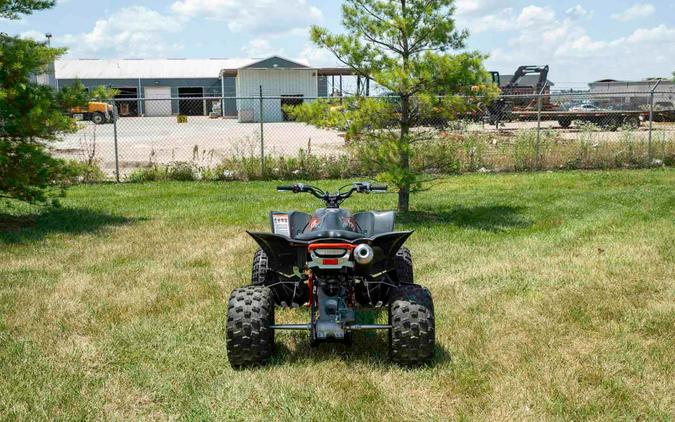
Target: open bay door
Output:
[{"x": 158, "y": 101}]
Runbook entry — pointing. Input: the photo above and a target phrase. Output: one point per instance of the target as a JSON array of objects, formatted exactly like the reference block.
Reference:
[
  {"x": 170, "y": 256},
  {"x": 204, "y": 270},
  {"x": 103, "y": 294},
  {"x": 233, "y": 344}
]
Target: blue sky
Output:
[{"x": 581, "y": 41}]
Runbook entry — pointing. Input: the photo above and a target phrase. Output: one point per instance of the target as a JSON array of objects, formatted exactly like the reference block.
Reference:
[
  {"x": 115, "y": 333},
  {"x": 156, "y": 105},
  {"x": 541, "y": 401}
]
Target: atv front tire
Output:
[
  {"x": 250, "y": 315},
  {"x": 412, "y": 336},
  {"x": 284, "y": 294}
]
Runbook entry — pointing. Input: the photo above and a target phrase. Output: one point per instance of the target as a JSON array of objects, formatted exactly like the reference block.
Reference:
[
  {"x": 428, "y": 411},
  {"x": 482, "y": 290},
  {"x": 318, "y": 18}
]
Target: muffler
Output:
[{"x": 363, "y": 254}]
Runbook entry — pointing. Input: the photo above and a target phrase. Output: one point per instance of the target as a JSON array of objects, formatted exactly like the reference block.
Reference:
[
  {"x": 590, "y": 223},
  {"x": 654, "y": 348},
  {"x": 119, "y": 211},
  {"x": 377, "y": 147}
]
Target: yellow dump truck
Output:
[{"x": 97, "y": 112}]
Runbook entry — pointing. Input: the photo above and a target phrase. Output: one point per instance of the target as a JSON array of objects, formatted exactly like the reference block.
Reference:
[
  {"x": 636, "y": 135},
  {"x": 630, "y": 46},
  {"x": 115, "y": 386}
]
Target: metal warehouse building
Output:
[
  {"x": 633, "y": 94},
  {"x": 164, "y": 87}
]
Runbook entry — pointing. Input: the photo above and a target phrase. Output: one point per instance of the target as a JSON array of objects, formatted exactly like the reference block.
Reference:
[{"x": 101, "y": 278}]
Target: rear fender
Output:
[
  {"x": 385, "y": 247},
  {"x": 288, "y": 256},
  {"x": 285, "y": 255}
]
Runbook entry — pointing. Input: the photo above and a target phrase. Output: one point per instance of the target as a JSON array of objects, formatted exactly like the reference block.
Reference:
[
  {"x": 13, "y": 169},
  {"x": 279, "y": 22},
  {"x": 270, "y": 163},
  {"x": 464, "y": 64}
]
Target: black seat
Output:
[{"x": 330, "y": 234}]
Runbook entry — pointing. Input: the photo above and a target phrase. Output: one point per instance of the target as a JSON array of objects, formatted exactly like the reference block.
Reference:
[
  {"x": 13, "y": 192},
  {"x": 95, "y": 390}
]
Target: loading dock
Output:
[
  {"x": 191, "y": 107},
  {"x": 127, "y": 107}
]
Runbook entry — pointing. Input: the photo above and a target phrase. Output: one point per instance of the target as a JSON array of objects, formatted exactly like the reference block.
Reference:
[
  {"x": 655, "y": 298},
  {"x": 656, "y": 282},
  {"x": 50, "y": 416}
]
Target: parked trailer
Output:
[{"x": 611, "y": 119}]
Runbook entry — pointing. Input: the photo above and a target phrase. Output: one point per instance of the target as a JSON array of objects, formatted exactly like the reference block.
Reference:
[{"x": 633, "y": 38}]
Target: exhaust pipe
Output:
[{"x": 363, "y": 254}]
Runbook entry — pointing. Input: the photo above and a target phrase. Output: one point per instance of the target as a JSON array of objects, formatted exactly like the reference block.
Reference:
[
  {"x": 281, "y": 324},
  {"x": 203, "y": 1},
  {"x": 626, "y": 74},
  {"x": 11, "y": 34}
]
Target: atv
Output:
[{"x": 335, "y": 262}]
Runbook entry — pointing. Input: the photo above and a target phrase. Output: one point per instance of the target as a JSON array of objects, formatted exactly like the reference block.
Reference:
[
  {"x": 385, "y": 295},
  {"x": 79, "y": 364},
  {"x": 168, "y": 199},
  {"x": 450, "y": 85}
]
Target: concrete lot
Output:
[
  {"x": 208, "y": 141},
  {"x": 163, "y": 140}
]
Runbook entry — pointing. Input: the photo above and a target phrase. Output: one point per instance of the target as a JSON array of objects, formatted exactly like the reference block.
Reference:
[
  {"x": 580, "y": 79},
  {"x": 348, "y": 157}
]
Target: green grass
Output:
[{"x": 554, "y": 298}]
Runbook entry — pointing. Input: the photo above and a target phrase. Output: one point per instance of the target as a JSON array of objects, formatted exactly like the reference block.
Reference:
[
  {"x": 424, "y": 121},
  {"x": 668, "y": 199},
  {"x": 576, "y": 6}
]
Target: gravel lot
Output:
[{"x": 208, "y": 141}]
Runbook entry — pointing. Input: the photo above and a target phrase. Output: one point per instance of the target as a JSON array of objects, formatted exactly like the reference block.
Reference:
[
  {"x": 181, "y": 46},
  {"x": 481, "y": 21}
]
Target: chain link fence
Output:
[{"x": 254, "y": 137}]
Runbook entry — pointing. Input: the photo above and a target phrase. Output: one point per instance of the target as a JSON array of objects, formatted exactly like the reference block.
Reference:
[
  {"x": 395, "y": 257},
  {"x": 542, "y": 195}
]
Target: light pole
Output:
[{"x": 49, "y": 39}]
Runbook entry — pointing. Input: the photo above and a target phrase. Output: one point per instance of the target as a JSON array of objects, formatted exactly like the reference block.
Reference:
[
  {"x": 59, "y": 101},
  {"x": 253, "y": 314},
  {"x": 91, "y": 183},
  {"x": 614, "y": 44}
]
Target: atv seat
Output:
[{"x": 330, "y": 234}]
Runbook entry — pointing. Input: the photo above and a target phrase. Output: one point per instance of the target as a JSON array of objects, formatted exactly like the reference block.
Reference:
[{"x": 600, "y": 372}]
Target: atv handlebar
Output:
[{"x": 333, "y": 201}]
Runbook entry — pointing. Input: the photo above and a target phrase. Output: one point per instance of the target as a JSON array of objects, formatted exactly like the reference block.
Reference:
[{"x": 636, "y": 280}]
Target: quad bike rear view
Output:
[{"x": 335, "y": 262}]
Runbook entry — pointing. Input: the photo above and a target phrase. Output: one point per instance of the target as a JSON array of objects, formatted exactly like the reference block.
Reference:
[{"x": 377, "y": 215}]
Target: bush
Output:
[
  {"x": 182, "y": 172},
  {"x": 438, "y": 156},
  {"x": 525, "y": 150},
  {"x": 147, "y": 174},
  {"x": 83, "y": 172}
]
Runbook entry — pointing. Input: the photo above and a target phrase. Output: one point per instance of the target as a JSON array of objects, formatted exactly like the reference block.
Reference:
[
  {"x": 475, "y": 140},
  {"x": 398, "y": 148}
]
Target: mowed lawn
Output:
[{"x": 554, "y": 297}]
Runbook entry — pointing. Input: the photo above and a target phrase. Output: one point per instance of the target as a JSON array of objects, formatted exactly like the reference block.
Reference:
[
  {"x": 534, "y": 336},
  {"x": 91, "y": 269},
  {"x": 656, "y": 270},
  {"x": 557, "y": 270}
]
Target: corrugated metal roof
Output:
[
  {"x": 146, "y": 68},
  {"x": 151, "y": 68}
]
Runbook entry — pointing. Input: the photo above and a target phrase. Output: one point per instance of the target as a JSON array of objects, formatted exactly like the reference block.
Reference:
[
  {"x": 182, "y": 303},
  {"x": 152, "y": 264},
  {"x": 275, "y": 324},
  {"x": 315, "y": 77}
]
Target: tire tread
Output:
[
  {"x": 249, "y": 337},
  {"x": 412, "y": 336}
]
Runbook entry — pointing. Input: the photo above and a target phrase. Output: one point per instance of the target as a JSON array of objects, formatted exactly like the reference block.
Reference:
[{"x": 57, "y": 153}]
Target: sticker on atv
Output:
[{"x": 281, "y": 225}]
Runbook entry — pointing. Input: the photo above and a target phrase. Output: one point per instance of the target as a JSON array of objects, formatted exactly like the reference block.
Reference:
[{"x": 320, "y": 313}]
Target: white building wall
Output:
[{"x": 275, "y": 83}]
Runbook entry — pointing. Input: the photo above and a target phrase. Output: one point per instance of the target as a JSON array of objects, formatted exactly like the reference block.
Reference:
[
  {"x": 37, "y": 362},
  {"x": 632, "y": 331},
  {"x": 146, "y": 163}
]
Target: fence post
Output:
[
  {"x": 536, "y": 159},
  {"x": 262, "y": 137},
  {"x": 539, "y": 97},
  {"x": 651, "y": 119},
  {"x": 117, "y": 158}
]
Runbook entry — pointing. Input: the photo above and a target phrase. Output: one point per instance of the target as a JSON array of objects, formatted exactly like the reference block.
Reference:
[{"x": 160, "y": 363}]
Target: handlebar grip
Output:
[
  {"x": 286, "y": 188},
  {"x": 379, "y": 188}
]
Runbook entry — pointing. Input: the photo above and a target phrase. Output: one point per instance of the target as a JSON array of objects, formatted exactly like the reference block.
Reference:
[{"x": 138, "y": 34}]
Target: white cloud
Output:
[
  {"x": 255, "y": 16},
  {"x": 479, "y": 7},
  {"x": 578, "y": 12},
  {"x": 33, "y": 35},
  {"x": 561, "y": 40},
  {"x": 134, "y": 31},
  {"x": 261, "y": 48},
  {"x": 580, "y": 47},
  {"x": 318, "y": 57},
  {"x": 503, "y": 20},
  {"x": 637, "y": 11},
  {"x": 535, "y": 16},
  {"x": 658, "y": 35}
]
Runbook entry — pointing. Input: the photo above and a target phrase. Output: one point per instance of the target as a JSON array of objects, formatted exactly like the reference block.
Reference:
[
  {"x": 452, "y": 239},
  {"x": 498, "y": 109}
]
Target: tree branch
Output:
[{"x": 378, "y": 42}]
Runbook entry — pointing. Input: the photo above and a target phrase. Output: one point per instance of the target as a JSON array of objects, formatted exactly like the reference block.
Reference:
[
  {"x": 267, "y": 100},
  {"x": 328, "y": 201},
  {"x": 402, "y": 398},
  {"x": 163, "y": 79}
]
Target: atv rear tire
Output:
[
  {"x": 285, "y": 294},
  {"x": 404, "y": 266},
  {"x": 412, "y": 336},
  {"x": 250, "y": 315}
]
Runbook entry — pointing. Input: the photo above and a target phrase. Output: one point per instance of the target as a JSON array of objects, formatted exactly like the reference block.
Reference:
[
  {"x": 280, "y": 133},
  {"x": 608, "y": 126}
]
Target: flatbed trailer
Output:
[{"x": 612, "y": 119}]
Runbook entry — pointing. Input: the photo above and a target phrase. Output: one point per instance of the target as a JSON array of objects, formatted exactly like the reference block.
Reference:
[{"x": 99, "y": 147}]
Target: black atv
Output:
[{"x": 335, "y": 262}]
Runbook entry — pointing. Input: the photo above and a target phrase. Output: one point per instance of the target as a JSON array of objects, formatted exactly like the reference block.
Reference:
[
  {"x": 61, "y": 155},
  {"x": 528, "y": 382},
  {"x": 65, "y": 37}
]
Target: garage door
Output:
[{"x": 158, "y": 101}]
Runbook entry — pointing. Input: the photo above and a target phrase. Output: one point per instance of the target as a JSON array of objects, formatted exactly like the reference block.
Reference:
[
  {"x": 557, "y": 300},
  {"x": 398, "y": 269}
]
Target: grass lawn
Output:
[{"x": 554, "y": 296}]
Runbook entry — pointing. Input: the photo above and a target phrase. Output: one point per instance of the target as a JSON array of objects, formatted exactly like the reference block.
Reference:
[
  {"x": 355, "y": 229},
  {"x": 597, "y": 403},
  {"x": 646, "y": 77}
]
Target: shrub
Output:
[
  {"x": 447, "y": 153},
  {"x": 182, "y": 171},
  {"x": 83, "y": 172},
  {"x": 525, "y": 151}
]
